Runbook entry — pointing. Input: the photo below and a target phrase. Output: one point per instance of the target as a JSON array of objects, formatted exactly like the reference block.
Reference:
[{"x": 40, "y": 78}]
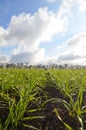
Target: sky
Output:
[{"x": 43, "y": 31}]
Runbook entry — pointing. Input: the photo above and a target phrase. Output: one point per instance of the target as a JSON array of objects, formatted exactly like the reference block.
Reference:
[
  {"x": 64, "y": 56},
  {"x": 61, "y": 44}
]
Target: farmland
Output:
[{"x": 37, "y": 99}]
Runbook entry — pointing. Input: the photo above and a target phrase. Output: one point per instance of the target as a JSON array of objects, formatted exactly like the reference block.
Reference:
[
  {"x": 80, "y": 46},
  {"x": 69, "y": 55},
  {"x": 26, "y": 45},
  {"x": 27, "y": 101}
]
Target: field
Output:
[{"x": 37, "y": 99}]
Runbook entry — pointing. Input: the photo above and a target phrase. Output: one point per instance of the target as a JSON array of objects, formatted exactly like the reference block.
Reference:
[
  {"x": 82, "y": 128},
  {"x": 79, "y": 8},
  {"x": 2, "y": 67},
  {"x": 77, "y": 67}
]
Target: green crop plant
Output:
[
  {"x": 23, "y": 96},
  {"x": 17, "y": 109}
]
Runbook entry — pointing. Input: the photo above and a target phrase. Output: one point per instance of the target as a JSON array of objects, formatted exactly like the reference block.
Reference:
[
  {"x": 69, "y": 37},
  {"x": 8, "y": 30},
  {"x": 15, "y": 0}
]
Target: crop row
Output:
[{"x": 32, "y": 99}]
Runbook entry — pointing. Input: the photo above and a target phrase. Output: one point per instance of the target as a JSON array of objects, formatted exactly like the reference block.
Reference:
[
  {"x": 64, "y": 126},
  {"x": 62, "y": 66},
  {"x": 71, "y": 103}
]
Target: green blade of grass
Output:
[{"x": 31, "y": 127}]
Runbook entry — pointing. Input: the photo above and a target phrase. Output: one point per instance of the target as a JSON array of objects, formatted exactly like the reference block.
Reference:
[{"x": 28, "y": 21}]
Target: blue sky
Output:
[
  {"x": 43, "y": 31},
  {"x": 8, "y": 8}
]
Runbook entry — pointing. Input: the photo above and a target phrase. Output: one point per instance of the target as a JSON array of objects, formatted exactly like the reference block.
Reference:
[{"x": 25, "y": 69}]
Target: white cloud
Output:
[
  {"x": 75, "y": 50},
  {"x": 27, "y": 32},
  {"x": 3, "y": 58},
  {"x": 81, "y": 4},
  {"x": 67, "y": 58},
  {"x": 66, "y": 7},
  {"x": 51, "y": 1},
  {"x": 32, "y": 29},
  {"x": 78, "y": 43},
  {"x": 72, "y": 58},
  {"x": 35, "y": 57},
  {"x": 3, "y": 34}
]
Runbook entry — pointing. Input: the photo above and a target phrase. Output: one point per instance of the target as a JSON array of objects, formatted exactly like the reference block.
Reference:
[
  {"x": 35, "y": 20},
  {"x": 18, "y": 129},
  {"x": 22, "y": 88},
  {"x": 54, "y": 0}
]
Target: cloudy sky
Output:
[{"x": 43, "y": 31}]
